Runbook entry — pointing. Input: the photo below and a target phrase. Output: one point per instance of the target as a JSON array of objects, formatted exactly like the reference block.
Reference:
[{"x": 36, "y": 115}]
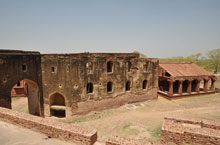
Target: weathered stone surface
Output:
[
  {"x": 71, "y": 74},
  {"x": 21, "y": 65}
]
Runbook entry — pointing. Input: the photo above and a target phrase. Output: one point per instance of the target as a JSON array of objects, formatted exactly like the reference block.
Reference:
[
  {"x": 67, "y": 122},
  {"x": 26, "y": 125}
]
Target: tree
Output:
[
  {"x": 214, "y": 57},
  {"x": 141, "y": 54}
]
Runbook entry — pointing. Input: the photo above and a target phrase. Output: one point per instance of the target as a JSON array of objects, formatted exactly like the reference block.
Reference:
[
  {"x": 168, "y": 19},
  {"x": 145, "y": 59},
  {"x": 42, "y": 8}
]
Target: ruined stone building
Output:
[
  {"x": 181, "y": 79},
  {"x": 16, "y": 66},
  {"x": 80, "y": 83},
  {"x": 68, "y": 84}
]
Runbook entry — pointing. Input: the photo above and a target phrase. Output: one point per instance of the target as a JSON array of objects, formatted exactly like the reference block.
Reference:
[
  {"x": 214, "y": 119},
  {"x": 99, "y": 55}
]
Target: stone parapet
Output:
[{"x": 182, "y": 130}]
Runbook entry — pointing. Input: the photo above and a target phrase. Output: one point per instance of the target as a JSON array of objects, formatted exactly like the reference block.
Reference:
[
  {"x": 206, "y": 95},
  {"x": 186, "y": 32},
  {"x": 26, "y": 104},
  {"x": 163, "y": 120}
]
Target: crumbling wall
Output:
[
  {"x": 179, "y": 131},
  {"x": 70, "y": 74},
  {"x": 51, "y": 128},
  {"x": 20, "y": 65}
]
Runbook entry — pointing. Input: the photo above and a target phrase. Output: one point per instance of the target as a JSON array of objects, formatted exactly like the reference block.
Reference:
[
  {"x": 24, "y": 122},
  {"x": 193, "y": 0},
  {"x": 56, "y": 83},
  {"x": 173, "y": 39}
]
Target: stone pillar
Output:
[
  {"x": 198, "y": 85},
  {"x": 180, "y": 89},
  {"x": 170, "y": 87},
  {"x": 213, "y": 84},
  {"x": 189, "y": 87},
  {"x": 206, "y": 81}
]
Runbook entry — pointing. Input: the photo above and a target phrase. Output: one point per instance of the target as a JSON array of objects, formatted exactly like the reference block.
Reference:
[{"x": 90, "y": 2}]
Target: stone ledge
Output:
[{"x": 49, "y": 127}]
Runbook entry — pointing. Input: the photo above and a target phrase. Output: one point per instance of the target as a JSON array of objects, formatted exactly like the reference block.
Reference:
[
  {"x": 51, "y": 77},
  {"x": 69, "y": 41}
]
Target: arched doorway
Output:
[
  {"x": 30, "y": 101},
  {"x": 57, "y": 105}
]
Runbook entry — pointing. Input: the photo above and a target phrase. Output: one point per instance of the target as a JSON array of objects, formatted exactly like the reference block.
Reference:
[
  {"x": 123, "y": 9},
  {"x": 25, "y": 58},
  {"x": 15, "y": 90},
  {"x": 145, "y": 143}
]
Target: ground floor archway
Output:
[
  {"x": 29, "y": 89},
  {"x": 57, "y": 105}
]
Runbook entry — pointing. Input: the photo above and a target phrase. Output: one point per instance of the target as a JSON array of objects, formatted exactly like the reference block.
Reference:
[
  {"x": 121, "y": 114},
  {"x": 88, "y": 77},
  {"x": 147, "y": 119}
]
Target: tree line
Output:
[{"x": 210, "y": 61}]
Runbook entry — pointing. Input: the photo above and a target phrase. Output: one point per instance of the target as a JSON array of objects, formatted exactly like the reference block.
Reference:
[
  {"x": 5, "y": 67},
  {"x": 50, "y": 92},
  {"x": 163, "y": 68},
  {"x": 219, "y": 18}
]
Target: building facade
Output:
[{"x": 80, "y": 83}]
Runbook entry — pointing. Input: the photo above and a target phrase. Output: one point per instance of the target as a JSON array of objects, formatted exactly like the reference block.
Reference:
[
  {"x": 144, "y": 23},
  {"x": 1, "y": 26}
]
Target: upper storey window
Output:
[
  {"x": 129, "y": 66},
  {"x": 109, "y": 66},
  {"x": 24, "y": 67},
  {"x": 146, "y": 66}
]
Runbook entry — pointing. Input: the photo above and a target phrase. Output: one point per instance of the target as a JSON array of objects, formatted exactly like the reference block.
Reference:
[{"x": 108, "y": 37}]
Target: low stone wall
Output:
[
  {"x": 180, "y": 130},
  {"x": 49, "y": 127},
  {"x": 116, "y": 140}
]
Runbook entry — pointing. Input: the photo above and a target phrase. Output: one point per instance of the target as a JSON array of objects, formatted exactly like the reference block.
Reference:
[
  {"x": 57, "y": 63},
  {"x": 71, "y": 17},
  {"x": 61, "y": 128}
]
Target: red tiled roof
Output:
[{"x": 184, "y": 69}]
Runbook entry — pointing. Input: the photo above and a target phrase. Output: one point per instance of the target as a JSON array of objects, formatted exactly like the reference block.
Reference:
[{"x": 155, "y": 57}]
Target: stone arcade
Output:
[{"x": 181, "y": 79}]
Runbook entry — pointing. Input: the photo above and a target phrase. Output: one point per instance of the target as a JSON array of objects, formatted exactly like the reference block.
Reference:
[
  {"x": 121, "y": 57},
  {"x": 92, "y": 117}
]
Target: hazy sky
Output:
[{"x": 157, "y": 28}]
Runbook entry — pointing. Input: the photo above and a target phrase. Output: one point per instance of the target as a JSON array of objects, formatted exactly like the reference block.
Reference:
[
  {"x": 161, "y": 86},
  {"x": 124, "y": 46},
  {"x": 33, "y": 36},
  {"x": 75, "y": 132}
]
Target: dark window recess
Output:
[
  {"x": 109, "y": 66},
  {"x": 128, "y": 86},
  {"x": 89, "y": 88},
  {"x": 53, "y": 69},
  {"x": 129, "y": 66},
  {"x": 144, "y": 85},
  {"x": 146, "y": 66},
  {"x": 24, "y": 67},
  {"x": 109, "y": 87},
  {"x": 167, "y": 74},
  {"x": 18, "y": 84}
]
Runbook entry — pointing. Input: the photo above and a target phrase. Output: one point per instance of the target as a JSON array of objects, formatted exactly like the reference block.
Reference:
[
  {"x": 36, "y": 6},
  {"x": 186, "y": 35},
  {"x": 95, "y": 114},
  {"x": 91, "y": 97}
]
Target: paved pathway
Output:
[{"x": 14, "y": 135}]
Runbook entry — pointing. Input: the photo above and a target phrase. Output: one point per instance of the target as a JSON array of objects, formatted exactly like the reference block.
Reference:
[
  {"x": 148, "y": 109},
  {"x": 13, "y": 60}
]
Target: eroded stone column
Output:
[
  {"x": 198, "y": 85},
  {"x": 180, "y": 89},
  {"x": 171, "y": 87},
  {"x": 189, "y": 87},
  {"x": 213, "y": 84},
  {"x": 206, "y": 81}
]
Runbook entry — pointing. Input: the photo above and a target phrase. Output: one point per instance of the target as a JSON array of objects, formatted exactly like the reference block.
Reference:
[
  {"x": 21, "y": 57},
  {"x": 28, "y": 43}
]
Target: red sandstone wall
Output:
[
  {"x": 50, "y": 127},
  {"x": 179, "y": 131}
]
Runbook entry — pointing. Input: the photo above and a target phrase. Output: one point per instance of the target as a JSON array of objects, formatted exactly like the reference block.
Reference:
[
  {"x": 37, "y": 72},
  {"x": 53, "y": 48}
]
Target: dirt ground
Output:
[{"x": 143, "y": 121}]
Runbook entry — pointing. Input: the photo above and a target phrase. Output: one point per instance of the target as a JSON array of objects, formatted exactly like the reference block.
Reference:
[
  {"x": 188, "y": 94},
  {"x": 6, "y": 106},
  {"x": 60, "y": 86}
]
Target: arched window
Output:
[
  {"x": 89, "y": 88},
  {"x": 129, "y": 66},
  {"x": 144, "y": 85},
  {"x": 146, "y": 66},
  {"x": 109, "y": 66},
  {"x": 109, "y": 87},
  {"x": 128, "y": 86}
]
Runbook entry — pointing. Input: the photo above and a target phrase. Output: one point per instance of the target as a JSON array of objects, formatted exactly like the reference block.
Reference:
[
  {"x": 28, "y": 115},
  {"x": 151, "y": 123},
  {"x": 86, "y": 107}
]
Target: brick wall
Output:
[
  {"x": 181, "y": 130},
  {"x": 50, "y": 127}
]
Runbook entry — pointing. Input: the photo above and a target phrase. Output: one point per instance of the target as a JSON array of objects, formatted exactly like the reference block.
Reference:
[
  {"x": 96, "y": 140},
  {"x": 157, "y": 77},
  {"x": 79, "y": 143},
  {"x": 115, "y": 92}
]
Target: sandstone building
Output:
[
  {"x": 181, "y": 79},
  {"x": 68, "y": 84},
  {"x": 80, "y": 83}
]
